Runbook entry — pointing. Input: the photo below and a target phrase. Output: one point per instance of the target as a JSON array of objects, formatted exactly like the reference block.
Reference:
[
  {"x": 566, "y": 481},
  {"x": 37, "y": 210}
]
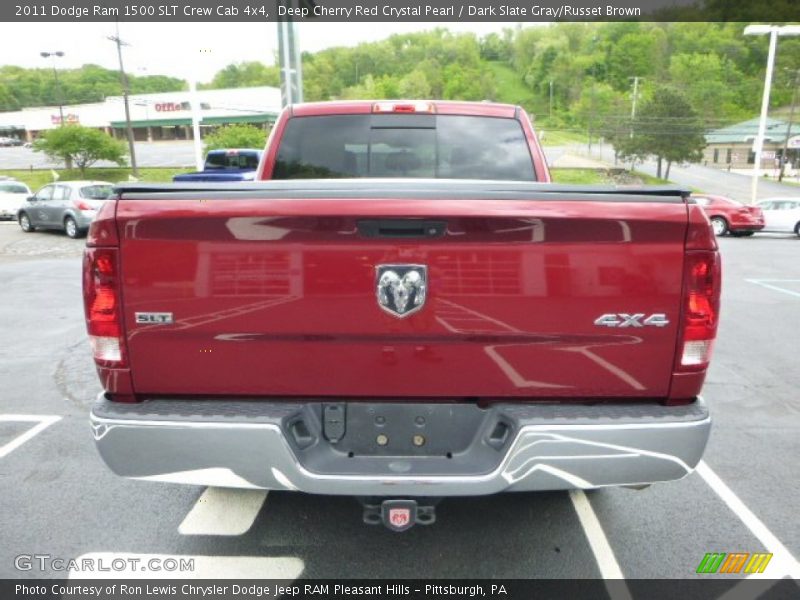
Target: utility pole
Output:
[
  {"x": 125, "y": 92},
  {"x": 789, "y": 125},
  {"x": 633, "y": 100}
]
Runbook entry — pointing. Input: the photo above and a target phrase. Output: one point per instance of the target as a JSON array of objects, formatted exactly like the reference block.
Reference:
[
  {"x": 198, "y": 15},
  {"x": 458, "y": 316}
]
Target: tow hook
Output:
[{"x": 399, "y": 515}]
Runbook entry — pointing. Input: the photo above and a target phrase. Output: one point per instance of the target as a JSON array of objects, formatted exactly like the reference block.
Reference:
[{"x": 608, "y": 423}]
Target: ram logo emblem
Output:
[{"x": 401, "y": 289}]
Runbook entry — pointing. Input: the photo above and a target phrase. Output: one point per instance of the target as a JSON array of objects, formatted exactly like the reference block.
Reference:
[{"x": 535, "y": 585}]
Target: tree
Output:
[
  {"x": 236, "y": 136},
  {"x": 711, "y": 84},
  {"x": 245, "y": 74},
  {"x": 81, "y": 146},
  {"x": 90, "y": 83},
  {"x": 666, "y": 127}
]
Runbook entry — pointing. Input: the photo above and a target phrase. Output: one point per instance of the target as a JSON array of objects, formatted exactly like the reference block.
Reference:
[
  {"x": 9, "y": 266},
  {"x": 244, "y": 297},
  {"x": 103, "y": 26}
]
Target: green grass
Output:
[
  {"x": 588, "y": 176},
  {"x": 650, "y": 179},
  {"x": 606, "y": 176},
  {"x": 510, "y": 87},
  {"x": 37, "y": 178},
  {"x": 560, "y": 137}
]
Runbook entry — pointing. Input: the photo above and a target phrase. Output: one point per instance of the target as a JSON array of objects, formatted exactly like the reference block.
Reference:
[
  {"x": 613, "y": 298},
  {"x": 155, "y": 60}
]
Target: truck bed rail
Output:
[{"x": 407, "y": 189}]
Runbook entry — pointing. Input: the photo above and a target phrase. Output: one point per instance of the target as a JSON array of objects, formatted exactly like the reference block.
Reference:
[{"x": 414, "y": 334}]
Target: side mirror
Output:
[{"x": 31, "y": 198}]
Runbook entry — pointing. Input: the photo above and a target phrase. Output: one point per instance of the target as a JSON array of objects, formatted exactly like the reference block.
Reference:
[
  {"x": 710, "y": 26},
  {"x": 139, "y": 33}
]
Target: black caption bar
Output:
[
  {"x": 444, "y": 11},
  {"x": 400, "y": 589}
]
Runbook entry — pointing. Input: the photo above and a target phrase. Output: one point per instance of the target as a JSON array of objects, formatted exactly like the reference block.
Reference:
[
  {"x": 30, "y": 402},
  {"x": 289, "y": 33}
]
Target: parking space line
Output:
[
  {"x": 603, "y": 554},
  {"x": 42, "y": 423},
  {"x": 124, "y": 565},
  {"x": 764, "y": 283},
  {"x": 223, "y": 511},
  {"x": 782, "y": 559}
]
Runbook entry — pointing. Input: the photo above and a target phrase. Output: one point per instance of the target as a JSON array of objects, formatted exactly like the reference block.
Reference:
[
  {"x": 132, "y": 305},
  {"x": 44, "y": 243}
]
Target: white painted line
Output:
[
  {"x": 603, "y": 554},
  {"x": 782, "y": 559},
  {"x": 42, "y": 423},
  {"x": 762, "y": 283},
  {"x": 123, "y": 565},
  {"x": 223, "y": 511}
]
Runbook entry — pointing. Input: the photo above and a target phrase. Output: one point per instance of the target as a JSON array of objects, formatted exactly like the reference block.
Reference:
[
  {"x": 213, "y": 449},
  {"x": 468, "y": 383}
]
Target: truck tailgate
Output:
[{"x": 275, "y": 293}]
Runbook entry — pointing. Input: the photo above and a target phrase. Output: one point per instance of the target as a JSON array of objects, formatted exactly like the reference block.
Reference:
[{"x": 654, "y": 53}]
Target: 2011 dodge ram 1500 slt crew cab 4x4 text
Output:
[{"x": 401, "y": 308}]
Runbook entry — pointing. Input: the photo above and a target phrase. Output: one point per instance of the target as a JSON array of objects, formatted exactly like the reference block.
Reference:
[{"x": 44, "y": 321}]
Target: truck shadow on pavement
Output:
[{"x": 508, "y": 535}]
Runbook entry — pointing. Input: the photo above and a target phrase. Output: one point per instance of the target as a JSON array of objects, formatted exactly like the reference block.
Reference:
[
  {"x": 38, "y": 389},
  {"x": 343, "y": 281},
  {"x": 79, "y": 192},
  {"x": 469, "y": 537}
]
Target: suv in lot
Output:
[{"x": 69, "y": 206}]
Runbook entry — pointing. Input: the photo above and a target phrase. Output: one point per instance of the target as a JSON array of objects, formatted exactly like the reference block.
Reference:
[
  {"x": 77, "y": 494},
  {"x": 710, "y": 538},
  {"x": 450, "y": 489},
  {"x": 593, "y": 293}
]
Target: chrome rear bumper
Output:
[{"x": 549, "y": 447}]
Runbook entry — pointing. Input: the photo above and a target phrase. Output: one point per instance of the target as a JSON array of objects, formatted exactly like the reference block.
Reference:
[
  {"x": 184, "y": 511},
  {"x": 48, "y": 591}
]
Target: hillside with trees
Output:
[
  {"x": 575, "y": 77},
  {"x": 23, "y": 88},
  {"x": 589, "y": 67}
]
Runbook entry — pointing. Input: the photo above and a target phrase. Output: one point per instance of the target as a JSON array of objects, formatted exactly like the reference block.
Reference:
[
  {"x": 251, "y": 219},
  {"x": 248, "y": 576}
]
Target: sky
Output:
[{"x": 185, "y": 49}]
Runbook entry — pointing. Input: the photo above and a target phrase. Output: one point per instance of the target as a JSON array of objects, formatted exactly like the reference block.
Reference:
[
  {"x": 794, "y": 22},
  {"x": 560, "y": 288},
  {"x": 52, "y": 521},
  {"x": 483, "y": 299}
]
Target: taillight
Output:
[
  {"x": 82, "y": 205},
  {"x": 701, "y": 293},
  {"x": 102, "y": 306}
]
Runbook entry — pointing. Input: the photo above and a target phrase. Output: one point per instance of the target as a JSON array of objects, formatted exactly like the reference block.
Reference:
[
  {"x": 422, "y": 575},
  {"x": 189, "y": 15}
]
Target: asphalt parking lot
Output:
[
  {"x": 59, "y": 499},
  {"x": 148, "y": 154}
]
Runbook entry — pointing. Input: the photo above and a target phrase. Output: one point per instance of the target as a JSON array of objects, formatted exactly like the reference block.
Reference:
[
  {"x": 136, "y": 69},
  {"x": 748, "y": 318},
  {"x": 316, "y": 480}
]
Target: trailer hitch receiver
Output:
[{"x": 399, "y": 515}]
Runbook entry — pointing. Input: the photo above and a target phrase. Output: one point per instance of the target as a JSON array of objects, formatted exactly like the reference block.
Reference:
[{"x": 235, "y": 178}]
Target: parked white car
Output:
[
  {"x": 12, "y": 197},
  {"x": 781, "y": 215}
]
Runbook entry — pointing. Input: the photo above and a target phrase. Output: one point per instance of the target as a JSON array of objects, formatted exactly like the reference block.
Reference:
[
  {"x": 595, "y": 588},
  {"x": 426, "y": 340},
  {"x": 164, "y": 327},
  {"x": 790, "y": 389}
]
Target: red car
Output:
[{"x": 731, "y": 216}]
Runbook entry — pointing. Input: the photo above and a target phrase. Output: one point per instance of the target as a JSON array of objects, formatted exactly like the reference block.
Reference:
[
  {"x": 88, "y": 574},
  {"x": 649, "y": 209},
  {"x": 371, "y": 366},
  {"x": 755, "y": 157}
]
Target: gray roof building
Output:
[{"x": 746, "y": 131}]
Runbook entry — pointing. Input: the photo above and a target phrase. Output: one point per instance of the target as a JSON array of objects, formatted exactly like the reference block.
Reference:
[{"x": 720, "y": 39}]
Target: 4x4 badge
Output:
[
  {"x": 632, "y": 320},
  {"x": 401, "y": 289}
]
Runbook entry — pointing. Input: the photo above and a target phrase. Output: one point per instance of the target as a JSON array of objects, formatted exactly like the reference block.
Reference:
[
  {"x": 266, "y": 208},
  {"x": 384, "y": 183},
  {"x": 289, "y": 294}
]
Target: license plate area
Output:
[
  {"x": 408, "y": 430},
  {"x": 399, "y": 438}
]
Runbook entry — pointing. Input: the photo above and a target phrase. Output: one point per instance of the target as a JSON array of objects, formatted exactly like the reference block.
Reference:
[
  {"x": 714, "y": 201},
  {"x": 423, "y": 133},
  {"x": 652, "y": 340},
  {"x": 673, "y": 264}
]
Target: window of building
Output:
[{"x": 716, "y": 155}]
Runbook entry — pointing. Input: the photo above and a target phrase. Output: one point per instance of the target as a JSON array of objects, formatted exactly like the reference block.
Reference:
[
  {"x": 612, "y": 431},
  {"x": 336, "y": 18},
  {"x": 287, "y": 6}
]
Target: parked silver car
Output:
[
  {"x": 70, "y": 206},
  {"x": 781, "y": 215}
]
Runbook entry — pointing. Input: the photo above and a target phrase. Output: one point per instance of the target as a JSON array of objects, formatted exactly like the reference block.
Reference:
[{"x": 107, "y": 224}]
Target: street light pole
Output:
[
  {"x": 789, "y": 125},
  {"x": 59, "y": 91},
  {"x": 591, "y": 108},
  {"x": 125, "y": 91},
  {"x": 633, "y": 100},
  {"x": 758, "y": 145}
]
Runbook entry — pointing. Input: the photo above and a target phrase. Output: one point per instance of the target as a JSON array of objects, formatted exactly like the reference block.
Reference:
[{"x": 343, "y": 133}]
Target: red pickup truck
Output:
[{"x": 402, "y": 308}]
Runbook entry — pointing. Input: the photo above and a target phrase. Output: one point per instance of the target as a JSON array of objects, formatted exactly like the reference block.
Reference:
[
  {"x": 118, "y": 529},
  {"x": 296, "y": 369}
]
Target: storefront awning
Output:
[{"x": 257, "y": 118}]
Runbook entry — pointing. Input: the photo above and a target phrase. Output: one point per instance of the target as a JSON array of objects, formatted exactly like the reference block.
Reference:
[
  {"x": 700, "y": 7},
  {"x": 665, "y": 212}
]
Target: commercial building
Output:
[
  {"x": 732, "y": 147},
  {"x": 154, "y": 117}
]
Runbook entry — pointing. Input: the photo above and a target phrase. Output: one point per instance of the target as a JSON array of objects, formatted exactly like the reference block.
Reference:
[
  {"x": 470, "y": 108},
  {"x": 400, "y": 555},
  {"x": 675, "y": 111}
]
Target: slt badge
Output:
[{"x": 401, "y": 289}]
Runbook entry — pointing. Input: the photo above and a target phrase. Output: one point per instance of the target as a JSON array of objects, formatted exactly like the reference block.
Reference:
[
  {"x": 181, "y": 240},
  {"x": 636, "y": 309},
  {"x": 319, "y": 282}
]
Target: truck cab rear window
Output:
[
  {"x": 435, "y": 146},
  {"x": 219, "y": 160}
]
